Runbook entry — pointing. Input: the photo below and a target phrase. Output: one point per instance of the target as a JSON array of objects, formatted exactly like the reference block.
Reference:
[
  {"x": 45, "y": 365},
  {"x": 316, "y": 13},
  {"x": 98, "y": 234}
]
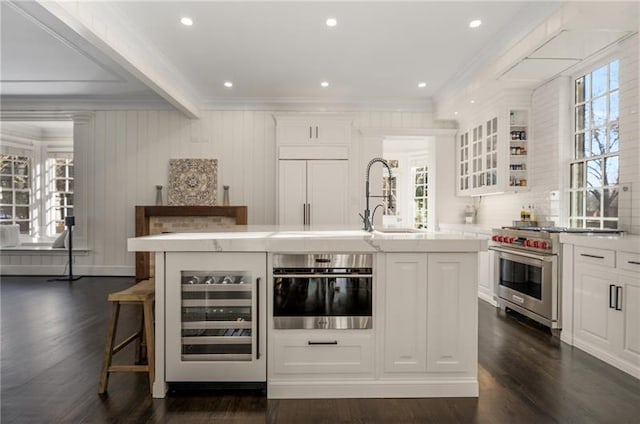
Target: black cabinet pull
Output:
[
  {"x": 618, "y": 298},
  {"x": 633, "y": 262},
  {"x": 592, "y": 256},
  {"x": 258, "y": 318},
  {"x": 612, "y": 295},
  {"x": 333, "y": 342},
  {"x": 310, "y": 132}
]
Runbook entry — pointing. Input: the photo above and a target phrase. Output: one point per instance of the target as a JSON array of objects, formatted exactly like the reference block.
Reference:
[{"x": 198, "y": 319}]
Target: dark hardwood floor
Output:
[{"x": 53, "y": 336}]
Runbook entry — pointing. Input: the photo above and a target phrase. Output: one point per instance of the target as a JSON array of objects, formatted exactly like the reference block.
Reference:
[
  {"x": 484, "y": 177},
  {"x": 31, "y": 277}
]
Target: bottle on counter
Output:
[
  {"x": 523, "y": 214},
  {"x": 532, "y": 215}
]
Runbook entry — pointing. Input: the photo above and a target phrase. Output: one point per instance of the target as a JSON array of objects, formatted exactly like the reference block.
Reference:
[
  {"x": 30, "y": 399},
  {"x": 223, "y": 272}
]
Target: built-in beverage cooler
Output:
[{"x": 214, "y": 329}]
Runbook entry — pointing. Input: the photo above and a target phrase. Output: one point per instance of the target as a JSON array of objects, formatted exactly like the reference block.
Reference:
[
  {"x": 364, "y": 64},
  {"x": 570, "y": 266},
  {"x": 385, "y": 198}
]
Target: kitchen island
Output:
[{"x": 217, "y": 297}]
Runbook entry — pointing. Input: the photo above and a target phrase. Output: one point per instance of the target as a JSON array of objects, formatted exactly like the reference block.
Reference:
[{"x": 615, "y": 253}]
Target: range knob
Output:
[
  {"x": 527, "y": 243},
  {"x": 536, "y": 243},
  {"x": 543, "y": 245},
  {"x": 494, "y": 238}
]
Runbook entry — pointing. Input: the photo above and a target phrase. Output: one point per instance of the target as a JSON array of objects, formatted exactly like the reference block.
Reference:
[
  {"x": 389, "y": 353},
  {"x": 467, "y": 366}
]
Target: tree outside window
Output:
[
  {"x": 420, "y": 198},
  {"x": 594, "y": 179},
  {"x": 15, "y": 191}
]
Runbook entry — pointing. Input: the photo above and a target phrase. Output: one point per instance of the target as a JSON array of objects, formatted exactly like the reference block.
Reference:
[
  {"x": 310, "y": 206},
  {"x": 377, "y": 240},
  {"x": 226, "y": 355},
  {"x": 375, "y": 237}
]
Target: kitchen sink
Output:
[{"x": 393, "y": 230}]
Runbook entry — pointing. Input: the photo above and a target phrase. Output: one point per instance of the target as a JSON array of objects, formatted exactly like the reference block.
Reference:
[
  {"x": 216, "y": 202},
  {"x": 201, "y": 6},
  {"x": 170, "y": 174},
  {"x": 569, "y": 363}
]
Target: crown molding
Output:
[{"x": 310, "y": 104}]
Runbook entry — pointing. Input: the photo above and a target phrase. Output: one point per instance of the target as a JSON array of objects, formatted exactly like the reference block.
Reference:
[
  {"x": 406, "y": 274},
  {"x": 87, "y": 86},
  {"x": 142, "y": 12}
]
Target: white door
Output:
[
  {"x": 595, "y": 319},
  {"x": 296, "y": 131},
  {"x": 327, "y": 182},
  {"x": 332, "y": 132},
  {"x": 405, "y": 314},
  {"x": 292, "y": 192},
  {"x": 629, "y": 292},
  {"x": 452, "y": 305},
  {"x": 215, "y": 316}
]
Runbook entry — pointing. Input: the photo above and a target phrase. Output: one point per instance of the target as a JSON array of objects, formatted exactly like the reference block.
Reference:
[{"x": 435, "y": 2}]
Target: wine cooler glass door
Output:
[{"x": 215, "y": 331}]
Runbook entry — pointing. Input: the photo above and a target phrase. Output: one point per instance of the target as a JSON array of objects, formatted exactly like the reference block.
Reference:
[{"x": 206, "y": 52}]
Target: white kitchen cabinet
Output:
[
  {"x": 298, "y": 354},
  {"x": 428, "y": 303},
  {"x": 451, "y": 305},
  {"x": 606, "y": 314},
  {"x": 492, "y": 152},
  {"x": 405, "y": 322},
  {"x": 313, "y": 129},
  {"x": 214, "y": 328},
  {"x": 312, "y": 192},
  {"x": 595, "y": 321}
]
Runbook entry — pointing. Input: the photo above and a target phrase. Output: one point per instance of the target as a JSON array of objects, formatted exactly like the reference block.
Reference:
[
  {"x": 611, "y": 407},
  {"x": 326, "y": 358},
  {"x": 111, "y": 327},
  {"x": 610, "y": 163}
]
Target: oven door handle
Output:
[
  {"x": 323, "y": 275},
  {"x": 543, "y": 258}
]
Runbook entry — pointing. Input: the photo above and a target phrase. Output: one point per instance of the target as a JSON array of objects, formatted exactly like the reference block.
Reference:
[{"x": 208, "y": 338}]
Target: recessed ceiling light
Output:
[
  {"x": 422, "y": 84},
  {"x": 331, "y": 22},
  {"x": 472, "y": 101},
  {"x": 228, "y": 84},
  {"x": 455, "y": 113},
  {"x": 324, "y": 84},
  {"x": 186, "y": 21},
  {"x": 475, "y": 23}
]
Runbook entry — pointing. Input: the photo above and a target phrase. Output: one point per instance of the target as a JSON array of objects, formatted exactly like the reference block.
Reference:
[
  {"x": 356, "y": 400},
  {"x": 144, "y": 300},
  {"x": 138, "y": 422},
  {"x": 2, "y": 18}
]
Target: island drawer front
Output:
[
  {"x": 323, "y": 352},
  {"x": 629, "y": 261},
  {"x": 595, "y": 256}
]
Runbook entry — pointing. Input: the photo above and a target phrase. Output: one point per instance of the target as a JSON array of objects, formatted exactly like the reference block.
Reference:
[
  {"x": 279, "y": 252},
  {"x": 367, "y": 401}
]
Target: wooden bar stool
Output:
[{"x": 142, "y": 294}]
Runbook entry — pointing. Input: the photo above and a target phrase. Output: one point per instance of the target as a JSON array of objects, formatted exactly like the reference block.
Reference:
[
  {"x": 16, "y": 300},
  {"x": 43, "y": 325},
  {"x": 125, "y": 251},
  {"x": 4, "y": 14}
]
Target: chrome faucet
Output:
[{"x": 367, "y": 218}]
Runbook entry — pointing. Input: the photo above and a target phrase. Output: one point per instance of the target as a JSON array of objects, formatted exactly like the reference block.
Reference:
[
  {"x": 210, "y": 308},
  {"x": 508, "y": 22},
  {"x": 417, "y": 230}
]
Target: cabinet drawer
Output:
[
  {"x": 629, "y": 261},
  {"x": 323, "y": 352},
  {"x": 593, "y": 256}
]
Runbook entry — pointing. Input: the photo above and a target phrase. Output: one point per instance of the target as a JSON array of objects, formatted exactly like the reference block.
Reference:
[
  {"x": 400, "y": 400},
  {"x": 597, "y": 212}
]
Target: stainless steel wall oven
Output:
[{"x": 322, "y": 291}]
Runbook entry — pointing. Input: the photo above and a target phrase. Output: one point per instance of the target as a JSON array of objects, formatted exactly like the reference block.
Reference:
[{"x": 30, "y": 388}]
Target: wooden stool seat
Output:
[{"x": 142, "y": 294}]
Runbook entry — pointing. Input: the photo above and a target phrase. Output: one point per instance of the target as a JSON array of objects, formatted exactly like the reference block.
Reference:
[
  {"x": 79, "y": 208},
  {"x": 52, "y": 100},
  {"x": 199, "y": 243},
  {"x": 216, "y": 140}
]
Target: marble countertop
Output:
[
  {"x": 468, "y": 228},
  {"x": 297, "y": 239},
  {"x": 626, "y": 242}
]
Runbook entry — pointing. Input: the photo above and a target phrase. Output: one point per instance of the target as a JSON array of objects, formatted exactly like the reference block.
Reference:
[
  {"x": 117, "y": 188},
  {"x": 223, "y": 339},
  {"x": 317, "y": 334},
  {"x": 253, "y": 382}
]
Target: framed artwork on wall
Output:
[{"x": 193, "y": 182}]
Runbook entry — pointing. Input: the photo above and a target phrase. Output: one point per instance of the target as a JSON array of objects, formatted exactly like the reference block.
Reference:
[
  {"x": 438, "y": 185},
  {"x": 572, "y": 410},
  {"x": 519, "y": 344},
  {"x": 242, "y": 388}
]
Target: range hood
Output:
[{"x": 567, "y": 48}]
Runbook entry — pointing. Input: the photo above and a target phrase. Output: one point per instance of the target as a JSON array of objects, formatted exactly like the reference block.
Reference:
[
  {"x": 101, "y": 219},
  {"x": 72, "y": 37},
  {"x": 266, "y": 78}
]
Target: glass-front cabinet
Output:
[
  {"x": 493, "y": 153},
  {"x": 478, "y": 171},
  {"x": 214, "y": 328}
]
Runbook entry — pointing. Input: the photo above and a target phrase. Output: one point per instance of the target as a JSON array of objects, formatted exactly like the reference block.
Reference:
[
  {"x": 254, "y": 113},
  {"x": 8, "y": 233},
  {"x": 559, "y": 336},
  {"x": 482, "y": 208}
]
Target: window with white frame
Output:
[
  {"x": 420, "y": 198},
  {"x": 24, "y": 202},
  {"x": 15, "y": 191},
  {"x": 594, "y": 167},
  {"x": 59, "y": 204}
]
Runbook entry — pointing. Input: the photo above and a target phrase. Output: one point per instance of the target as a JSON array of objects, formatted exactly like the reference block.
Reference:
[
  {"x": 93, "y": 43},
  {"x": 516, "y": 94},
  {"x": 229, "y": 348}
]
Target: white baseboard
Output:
[
  {"x": 371, "y": 389},
  {"x": 488, "y": 298},
  {"x": 608, "y": 358},
  {"x": 89, "y": 270}
]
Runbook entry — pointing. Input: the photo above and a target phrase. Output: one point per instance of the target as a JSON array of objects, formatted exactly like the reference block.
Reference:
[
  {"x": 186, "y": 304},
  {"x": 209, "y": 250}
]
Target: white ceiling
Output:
[{"x": 273, "y": 52}]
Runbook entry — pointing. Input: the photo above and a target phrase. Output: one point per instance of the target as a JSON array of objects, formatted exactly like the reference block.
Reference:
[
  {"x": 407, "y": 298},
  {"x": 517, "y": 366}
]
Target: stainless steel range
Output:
[{"x": 528, "y": 266}]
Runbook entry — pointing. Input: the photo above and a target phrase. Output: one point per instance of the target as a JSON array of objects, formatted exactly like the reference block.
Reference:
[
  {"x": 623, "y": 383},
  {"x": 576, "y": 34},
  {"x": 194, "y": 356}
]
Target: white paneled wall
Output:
[{"x": 122, "y": 155}]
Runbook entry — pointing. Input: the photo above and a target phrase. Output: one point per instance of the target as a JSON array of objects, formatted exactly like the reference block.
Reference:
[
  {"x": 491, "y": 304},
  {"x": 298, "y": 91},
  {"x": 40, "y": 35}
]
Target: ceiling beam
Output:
[{"x": 106, "y": 35}]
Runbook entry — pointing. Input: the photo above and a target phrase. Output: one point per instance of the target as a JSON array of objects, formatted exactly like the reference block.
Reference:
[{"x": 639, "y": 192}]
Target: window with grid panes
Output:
[
  {"x": 420, "y": 185},
  {"x": 60, "y": 193},
  {"x": 594, "y": 168},
  {"x": 389, "y": 188},
  {"x": 15, "y": 191}
]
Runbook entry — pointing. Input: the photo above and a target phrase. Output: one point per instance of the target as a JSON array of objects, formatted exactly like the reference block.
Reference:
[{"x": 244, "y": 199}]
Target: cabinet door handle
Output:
[
  {"x": 618, "y": 298},
  {"x": 308, "y": 213},
  {"x": 591, "y": 256},
  {"x": 310, "y": 133},
  {"x": 258, "y": 318},
  {"x": 316, "y": 131},
  {"x": 304, "y": 214},
  {"x": 633, "y": 262},
  {"x": 612, "y": 295},
  {"x": 312, "y": 343}
]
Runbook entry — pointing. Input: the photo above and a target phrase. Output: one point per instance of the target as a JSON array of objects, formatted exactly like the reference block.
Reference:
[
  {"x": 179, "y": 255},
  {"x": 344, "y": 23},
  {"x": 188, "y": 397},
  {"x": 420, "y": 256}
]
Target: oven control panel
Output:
[{"x": 528, "y": 243}]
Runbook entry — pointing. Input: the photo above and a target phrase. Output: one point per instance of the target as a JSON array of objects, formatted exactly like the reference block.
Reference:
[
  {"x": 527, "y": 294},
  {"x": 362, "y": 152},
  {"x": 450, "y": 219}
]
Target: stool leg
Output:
[
  {"x": 108, "y": 350},
  {"x": 150, "y": 334},
  {"x": 139, "y": 352}
]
